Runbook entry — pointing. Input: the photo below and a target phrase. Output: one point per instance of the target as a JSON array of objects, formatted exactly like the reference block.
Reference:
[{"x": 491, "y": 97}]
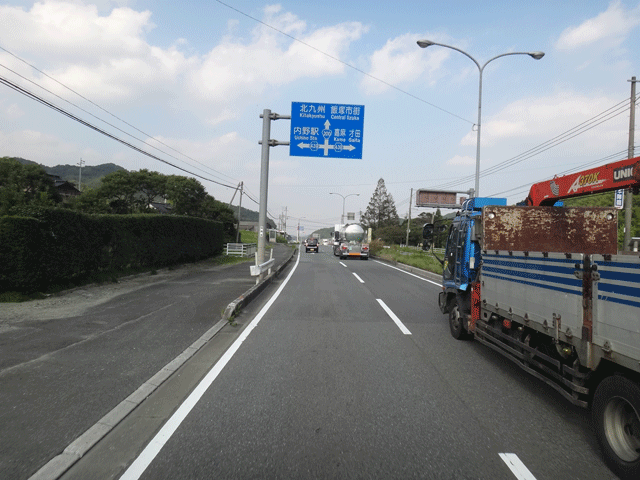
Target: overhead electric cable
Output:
[
  {"x": 41, "y": 100},
  {"x": 106, "y": 111},
  {"x": 344, "y": 63}
]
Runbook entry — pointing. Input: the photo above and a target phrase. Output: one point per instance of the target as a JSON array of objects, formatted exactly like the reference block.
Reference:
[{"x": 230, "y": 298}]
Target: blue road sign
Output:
[
  {"x": 619, "y": 199},
  {"x": 326, "y": 130}
]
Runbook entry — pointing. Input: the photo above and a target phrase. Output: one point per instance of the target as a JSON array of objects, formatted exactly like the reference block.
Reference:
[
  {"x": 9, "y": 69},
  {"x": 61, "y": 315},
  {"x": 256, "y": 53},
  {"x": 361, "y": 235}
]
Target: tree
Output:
[
  {"x": 149, "y": 186},
  {"x": 25, "y": 185},
  {"x": 119, "y": 190},
  {"x": 391, "y": 234},
  {"x": 212, "y": 209},
  {"x": 381, "y": 211},
  {"x": 185, "y": 194}
]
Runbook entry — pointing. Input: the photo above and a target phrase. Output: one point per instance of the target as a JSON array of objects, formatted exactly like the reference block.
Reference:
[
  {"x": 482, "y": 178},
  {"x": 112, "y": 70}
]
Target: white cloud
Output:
[
  {"x": 401, "y": 60},
  {"x": 531, "y": 121},
  {"x": 36, "y": 146},
  {"x": 610, "y": 27},
  {"x": 461, "y": 160},
  {"x": 223, "y": 76},
  {"x": 225, "y": 154}
]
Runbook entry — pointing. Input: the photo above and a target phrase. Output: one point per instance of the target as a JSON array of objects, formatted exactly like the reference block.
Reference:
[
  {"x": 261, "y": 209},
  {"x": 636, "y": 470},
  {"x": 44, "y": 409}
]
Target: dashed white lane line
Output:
[
  {"x": 516, "y": 466},
  {"x": 137, "y": 468},
  {"x": 343, "y": 264},
  {"x": 393, "y": 316},
  {"x": 409, "y": 273},
  {"x": 359, "y": 279}
]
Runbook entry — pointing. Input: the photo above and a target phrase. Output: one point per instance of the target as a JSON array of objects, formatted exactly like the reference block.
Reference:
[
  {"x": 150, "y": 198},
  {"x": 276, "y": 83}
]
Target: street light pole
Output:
[
  {"x": 344, "y": 198},
  {"x": 534, "y": 55}
]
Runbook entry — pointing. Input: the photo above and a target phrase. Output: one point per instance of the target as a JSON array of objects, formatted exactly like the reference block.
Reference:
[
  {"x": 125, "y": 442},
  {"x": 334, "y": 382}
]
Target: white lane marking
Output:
[
  {"x": 409, "y": 273},
  {"x": 516, "y": 466},
  {"x": 342, "y": 264},
  {"x": 137, "y": 468},
  {"x": 356, "y": 275},
  {"x": 393, "y": 316}
]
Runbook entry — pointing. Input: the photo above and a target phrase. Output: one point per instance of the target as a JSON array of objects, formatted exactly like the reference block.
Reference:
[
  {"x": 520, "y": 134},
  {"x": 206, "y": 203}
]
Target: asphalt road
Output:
[
  {"x": 69, "y": 360},
  {"x": 329, "y": 385}
]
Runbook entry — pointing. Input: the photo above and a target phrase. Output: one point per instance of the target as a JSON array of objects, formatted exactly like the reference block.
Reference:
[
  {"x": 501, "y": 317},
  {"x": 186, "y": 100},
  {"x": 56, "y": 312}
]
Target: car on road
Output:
[{"x": 311, "y": 244}]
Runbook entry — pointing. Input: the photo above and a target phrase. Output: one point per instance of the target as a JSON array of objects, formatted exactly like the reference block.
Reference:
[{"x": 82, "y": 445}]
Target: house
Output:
[
  {"x": 253, "y": 226},
  {"x": 65, "y": 189}
]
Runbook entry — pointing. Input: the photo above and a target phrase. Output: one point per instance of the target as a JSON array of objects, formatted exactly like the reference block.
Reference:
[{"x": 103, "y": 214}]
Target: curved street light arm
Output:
[{"x": 534, "y": 55}]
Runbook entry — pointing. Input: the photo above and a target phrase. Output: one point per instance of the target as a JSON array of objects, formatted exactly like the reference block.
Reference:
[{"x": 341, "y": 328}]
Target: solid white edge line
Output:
[
  {"x": 356, "y": 275},
  {"x": 140, "y": 464},
  {"x": 393, "y": 316},
  {"x": 409, "y": 273},
  {"x": 516, "y": 466}
]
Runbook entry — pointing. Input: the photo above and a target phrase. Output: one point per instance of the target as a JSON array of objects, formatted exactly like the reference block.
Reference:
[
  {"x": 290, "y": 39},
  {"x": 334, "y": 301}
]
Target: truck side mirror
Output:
[{"x": 427, "y": 235}]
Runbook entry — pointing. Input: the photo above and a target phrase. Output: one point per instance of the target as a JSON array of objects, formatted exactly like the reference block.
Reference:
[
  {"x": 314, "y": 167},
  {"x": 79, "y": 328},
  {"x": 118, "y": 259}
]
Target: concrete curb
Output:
[
  {"x": 58, "y": 465},
  {"x": 235, "y": 306}
]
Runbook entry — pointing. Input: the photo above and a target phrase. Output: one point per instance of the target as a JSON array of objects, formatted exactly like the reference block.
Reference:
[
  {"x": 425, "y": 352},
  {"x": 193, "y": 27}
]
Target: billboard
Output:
[{"x": 436, "y": 199}]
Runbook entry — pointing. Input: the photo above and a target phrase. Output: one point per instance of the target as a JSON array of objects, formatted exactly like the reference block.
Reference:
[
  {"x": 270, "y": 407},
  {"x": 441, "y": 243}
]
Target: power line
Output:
[
  {"x": 344, "y": 63},
  {"x": 41, "y": 100},
  {"x": 579, "y": 129},
  {"x": 104, "y": 110},
  {"x": 621, "y": 155}
]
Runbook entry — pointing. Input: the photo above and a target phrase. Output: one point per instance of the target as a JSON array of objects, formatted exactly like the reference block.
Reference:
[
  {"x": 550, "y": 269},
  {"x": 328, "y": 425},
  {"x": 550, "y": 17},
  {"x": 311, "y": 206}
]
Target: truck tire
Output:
[
  {"x": 455, "y": 322},
  {"x": 616, "y": 416}
]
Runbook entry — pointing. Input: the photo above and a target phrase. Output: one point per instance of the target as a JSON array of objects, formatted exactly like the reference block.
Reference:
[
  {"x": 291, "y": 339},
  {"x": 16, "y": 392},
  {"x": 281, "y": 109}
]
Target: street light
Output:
[
  {"x": 343, "y": 200},
  {"x": 535, "y": 55}
]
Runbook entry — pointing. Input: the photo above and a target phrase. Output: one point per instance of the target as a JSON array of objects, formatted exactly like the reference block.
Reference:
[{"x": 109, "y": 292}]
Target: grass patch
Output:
[
  {"x": 410, "y": 256},
  {"x": 248, "y": 237},
  {"x": 229, "y": 260},
  {"x": 17, "y": 297}
]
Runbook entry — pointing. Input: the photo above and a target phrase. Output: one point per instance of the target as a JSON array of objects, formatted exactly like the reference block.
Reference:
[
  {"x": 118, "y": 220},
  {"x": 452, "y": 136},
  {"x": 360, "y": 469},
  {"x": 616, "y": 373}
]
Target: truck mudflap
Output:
[
  {"x": 442, "y": 302},
  {"x": 568, "y": 381}
]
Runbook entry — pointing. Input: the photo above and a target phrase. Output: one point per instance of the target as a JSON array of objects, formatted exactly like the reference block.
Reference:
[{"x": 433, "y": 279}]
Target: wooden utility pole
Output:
[
  {"x": 409, "y": 222},
  {"x": 628, "y": 198}
]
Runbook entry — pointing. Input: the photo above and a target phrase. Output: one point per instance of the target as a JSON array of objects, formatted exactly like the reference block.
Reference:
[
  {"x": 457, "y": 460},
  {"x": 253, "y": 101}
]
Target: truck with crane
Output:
[{"x": 545, "y": 286}]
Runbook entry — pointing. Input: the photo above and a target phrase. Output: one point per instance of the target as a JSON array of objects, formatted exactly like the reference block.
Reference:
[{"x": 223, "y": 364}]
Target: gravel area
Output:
[{"x": 76, "y": 301}]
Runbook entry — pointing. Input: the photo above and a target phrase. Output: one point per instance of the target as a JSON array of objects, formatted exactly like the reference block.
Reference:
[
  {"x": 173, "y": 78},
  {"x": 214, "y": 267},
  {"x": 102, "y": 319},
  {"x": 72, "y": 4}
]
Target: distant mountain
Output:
[{"x": 90, "y": 174}]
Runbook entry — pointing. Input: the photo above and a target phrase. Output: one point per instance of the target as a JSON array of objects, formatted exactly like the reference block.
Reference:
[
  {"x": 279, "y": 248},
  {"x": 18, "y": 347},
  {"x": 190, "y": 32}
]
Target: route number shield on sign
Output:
[{"x": 326, "y": 130}]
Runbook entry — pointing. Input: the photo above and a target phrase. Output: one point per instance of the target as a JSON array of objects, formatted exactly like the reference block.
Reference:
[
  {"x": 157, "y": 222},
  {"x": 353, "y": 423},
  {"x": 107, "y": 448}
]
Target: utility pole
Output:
[
  {"x": 628, "y": 199},
  {"x": 239, "y": 187},
  {"x": 239, "y": 210},
  {"x": 409, "y": 221},
  {"x": 81, "y": 162}
]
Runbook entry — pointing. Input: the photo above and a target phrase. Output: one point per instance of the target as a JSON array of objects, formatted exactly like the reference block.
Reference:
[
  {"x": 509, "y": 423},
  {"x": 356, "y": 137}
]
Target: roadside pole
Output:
[
  {"x": 266, "y": 142},
  {"x": 628, "y": 197}
]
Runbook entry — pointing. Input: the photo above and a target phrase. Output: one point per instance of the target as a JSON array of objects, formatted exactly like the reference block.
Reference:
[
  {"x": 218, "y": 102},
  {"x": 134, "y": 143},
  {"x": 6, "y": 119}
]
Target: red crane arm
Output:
[{"x": 613, "y": 176}]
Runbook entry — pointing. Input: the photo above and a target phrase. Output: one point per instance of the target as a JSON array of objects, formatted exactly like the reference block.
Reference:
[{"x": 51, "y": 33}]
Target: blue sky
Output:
[{"x": 197, "y": 75}]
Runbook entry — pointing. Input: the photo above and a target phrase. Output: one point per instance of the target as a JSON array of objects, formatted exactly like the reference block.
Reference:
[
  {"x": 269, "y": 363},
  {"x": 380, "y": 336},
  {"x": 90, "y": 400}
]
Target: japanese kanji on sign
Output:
[{"x": 326, "y": 130}]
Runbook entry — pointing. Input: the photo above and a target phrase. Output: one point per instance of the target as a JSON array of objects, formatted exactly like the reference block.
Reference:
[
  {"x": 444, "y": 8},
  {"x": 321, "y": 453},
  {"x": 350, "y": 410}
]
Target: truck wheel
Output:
[
  {"x": 616, "y": 416},
  {"x": 455, "y": 322}
]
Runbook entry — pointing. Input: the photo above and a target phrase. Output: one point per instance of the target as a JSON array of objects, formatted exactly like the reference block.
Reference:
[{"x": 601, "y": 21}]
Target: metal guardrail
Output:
[{"x": 241, "y": 249}]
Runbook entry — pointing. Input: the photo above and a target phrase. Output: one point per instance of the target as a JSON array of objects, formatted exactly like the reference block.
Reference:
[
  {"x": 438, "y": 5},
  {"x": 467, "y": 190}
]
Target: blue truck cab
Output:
[{"x": 462, "y": 257}]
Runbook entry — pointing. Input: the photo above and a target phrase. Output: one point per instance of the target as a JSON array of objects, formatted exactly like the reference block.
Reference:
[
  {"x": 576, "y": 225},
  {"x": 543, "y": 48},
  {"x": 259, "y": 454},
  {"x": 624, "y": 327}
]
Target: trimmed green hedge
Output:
[{"x": 44, "y": 247}]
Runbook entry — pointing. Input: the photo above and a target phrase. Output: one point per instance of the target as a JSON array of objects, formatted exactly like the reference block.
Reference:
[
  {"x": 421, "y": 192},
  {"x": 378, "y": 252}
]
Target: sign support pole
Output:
[{"x": 266, "y": 142}]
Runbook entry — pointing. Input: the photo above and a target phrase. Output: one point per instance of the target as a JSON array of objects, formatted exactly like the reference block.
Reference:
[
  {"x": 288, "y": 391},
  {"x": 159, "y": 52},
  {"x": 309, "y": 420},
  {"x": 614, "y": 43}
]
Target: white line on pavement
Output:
[
  {"x": 342, "y": 264},
  {"x": 516, "y": 466},
  {"x": 409, "y": 273},
  {"x": 137, "y": 468},
  {"x": 393, "y": 316},
  {"x": 356, "y": 275}
]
